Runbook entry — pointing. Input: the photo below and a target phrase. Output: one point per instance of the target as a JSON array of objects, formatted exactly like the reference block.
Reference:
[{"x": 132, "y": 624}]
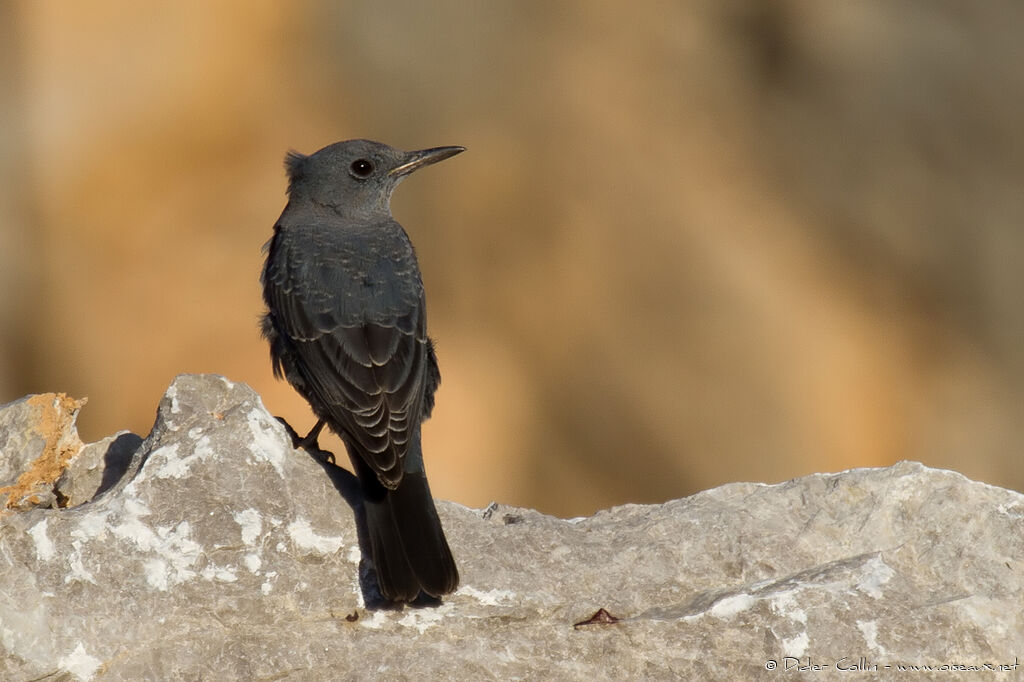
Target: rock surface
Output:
[
  {"x": 216, "y": 551},
  {"x": 43, "y": 462}
]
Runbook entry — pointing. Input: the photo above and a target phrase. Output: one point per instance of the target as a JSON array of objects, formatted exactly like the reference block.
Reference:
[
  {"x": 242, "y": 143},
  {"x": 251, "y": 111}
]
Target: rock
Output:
[
  {"x": 43, "y": 462},
  {"x": 219, "y": 552},
  {"x": 38, "y": 440},
  {"x": 95, "y": 468}
]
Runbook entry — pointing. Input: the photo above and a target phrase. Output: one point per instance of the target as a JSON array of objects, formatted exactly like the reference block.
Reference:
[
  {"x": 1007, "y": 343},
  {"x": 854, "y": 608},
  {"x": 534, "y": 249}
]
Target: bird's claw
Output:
[
  {"x": 309, "y": 442},
  {"x": 310, "y": 439}
]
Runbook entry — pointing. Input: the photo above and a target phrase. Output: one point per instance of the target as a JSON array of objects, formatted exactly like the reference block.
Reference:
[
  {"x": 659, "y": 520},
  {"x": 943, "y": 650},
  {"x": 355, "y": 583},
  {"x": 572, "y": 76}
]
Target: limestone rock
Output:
[
  {"x": 96, "y": 468},
  {"x": 217, "y": 551},
  {"x": 38, "y": 440},
  {"x": 43, "y": 462}
]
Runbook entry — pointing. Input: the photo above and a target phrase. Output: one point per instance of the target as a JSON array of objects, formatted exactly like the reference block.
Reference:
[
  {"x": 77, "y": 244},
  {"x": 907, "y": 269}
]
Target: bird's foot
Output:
[
  {"x": 309, "y": 442},
  {"x": 311, "y": 438}
]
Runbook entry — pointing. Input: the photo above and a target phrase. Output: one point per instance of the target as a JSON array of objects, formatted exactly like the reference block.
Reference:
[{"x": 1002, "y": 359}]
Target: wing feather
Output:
[{"x": 362, "y": 365}]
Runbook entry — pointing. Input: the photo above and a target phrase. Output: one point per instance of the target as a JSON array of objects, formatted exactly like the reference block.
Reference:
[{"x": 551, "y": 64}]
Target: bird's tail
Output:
[{"x": 409, "y": 549}]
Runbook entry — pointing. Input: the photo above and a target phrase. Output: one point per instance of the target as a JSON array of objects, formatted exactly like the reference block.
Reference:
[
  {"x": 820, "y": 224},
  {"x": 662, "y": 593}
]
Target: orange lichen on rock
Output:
[{"x": 55, "y": 423}]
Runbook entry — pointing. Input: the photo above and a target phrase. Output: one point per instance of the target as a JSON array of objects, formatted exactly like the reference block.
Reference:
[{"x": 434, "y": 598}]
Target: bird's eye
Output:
[{"x": 361, "y": 168}]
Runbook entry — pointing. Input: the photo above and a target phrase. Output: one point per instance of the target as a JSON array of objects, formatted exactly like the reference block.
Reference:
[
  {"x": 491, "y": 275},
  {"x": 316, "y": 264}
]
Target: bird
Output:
[{"x": 347, "y": 327}]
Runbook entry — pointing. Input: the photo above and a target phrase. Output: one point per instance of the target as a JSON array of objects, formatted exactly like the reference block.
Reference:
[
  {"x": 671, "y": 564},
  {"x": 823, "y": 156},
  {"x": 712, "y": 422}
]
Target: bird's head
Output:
[{"x": 356, "y": 177}]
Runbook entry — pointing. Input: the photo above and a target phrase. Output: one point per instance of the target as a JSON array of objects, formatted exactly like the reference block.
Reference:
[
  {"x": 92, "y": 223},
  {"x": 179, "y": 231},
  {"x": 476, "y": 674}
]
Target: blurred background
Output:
[{"x": 690, "y": 243}]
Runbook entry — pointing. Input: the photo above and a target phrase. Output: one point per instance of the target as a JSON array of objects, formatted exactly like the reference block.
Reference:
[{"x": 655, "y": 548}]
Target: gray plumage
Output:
[{"x": 347, "y": 327}]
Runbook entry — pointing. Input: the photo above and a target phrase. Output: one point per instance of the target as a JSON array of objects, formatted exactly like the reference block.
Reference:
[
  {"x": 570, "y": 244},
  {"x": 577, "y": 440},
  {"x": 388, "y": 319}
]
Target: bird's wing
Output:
[{"x": 364, "y": 359}]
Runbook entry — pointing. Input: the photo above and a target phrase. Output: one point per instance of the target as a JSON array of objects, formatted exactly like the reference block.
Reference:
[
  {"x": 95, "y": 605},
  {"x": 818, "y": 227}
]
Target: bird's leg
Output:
[
  {"x": 309, "y": 441},
  {"x": 311, "y": 437}
]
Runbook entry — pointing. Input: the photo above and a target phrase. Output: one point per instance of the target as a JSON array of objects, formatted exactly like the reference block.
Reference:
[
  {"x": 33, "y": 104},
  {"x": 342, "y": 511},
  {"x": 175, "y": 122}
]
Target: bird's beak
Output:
[{"x": 424, "y": 157}]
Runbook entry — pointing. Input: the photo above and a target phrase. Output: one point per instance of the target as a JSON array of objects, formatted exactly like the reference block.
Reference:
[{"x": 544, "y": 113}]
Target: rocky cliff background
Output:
[{"x": 690, "y": 243}]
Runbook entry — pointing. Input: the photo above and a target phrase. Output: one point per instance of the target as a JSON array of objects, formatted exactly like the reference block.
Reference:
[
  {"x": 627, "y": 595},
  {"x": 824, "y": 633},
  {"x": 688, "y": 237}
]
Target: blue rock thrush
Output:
[{"x": 347, "y": 327}]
